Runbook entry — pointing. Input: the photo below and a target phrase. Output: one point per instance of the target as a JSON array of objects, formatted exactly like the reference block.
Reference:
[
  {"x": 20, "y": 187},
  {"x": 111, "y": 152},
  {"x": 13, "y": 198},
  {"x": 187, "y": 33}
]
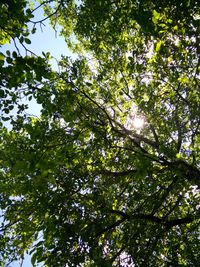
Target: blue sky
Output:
[{"x": 43, "y": 40}]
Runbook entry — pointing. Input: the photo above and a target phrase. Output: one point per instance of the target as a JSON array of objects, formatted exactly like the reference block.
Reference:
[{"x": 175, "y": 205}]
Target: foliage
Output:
[
  {"x": 82, "y": 185},
  {"x": 14, "y": 18}
]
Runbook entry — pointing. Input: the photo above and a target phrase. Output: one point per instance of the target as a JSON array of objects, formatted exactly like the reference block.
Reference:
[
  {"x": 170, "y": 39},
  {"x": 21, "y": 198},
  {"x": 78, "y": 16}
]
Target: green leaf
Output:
[
  {"x": 2, "y": 56},
  {"x": 9, "y": 60},
  {"x": 1, "y": 93},
  {"x": 14, "y": 54},
  {"x": 5, "y": 118},
  {"x": 27, "y": 41},
  {"x": 156, "y": 17},
  {"x": 21, "y": 39},
  {"x": 159, "y": 45}
]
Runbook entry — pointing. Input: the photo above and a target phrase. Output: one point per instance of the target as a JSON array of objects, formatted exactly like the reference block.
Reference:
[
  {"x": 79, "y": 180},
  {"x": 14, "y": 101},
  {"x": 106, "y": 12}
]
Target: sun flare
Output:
[{"x": 138, "y": 123}]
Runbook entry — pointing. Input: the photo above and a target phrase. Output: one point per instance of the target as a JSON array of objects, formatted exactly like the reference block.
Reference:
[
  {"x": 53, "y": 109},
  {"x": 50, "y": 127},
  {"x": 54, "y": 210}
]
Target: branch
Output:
[
  {"x": 43, "y": 3},
  {"x": 191, "y": 173},
  {"x": 50, "y": 15},
  {"x": 134, "y": 137},
  {"x": 27, "y": 50},
  {"x": 111, "y": 227},
  {"x": 165, "y": 193},
  {"x": 128, "y": 90},
  {"x": 121, "y": 213},
  {"x": 152, "y": 218},
  {"x": 179, "y": 142},
  {"x": 155, "y": 135},
  {"x": 147, "y": 217},
  {"x": 170, "y": 224},
  {"x": 100, "y": 107}
]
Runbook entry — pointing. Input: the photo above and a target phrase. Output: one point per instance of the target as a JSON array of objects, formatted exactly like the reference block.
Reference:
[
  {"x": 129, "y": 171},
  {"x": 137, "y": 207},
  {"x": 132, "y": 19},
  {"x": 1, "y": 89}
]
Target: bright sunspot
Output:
[{"x": 138, "y": 123}]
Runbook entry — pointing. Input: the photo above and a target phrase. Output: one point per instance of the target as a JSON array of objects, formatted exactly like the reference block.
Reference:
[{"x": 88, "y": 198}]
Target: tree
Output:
[{"x": 83, "y": 185}]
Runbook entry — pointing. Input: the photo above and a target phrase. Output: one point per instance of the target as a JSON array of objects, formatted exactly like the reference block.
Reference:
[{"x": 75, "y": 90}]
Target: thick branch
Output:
[
  {"x": 175, "y": 222},
  {"x": 152, "y": 218},
  {"x": 189, "y": 172}
]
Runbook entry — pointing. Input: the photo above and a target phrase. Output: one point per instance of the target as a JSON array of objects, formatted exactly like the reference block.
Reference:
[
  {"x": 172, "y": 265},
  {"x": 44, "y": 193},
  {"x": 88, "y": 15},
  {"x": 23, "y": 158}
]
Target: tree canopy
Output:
[{"x": 109, "y": 174}]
